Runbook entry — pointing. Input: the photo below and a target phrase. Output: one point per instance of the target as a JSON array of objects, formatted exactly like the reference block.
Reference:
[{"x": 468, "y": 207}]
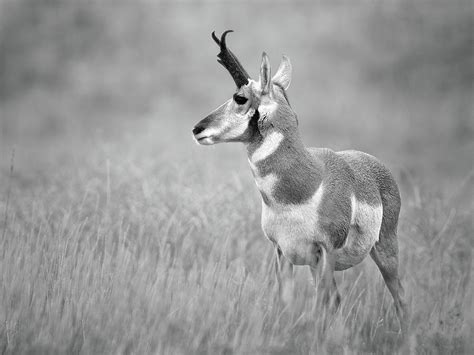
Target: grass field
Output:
[
  {"x": 120, "y": 235},
  {"x": 138, "y": 255}
]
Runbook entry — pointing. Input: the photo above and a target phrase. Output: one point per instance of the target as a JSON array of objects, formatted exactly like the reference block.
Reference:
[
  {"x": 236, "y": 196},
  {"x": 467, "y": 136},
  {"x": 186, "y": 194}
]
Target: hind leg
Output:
[{"x": 385, "y": 255}]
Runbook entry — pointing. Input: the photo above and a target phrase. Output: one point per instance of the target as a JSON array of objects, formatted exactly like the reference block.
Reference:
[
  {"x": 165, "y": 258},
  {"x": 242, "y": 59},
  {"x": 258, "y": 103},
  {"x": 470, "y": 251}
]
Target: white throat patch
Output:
[{"x": 269, "y": 146}]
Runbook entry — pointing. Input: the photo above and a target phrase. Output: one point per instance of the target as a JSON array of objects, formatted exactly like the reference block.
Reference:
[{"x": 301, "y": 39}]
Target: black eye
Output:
[{"x": 240, "y": 100}]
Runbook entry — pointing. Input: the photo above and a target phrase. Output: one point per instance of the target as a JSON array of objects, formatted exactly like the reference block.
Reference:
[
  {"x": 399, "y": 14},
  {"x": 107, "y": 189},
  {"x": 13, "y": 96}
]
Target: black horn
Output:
[{"x": 230, "y": 62}]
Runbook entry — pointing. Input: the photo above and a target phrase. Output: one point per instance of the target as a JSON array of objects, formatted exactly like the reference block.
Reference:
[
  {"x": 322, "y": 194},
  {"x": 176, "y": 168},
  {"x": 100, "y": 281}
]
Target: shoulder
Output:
[{"x": 327, "y": 156}]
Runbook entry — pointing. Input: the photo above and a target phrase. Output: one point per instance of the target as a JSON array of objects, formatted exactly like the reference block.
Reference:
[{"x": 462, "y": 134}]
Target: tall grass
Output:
[{"x": 139, "y": 256}]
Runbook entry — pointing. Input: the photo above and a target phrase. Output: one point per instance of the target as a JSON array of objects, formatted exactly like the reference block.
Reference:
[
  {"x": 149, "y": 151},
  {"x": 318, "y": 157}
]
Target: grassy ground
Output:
[
  {"x": 137, "y": 255},
  {"x": 120, "y": 235}
]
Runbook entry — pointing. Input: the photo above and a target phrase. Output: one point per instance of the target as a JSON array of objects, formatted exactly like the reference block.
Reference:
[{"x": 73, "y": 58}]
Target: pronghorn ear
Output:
[
  {"x": 283, "y": 74},
  {"x": 265, "y": 74}
]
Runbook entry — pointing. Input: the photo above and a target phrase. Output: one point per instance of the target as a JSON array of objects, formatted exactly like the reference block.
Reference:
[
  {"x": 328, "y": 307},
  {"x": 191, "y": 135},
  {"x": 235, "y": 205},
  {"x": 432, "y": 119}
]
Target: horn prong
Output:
[{"x": 214, "y": 37}]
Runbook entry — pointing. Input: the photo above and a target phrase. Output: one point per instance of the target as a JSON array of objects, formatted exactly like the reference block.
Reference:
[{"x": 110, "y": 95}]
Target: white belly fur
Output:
[{"x": 293, "y": 227}]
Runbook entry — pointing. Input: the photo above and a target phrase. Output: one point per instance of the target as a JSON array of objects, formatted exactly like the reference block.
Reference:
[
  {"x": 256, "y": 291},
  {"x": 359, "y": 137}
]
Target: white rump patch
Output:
[
  {"x": 268, "y": 147},
  {"x": 366, "y": 221}
]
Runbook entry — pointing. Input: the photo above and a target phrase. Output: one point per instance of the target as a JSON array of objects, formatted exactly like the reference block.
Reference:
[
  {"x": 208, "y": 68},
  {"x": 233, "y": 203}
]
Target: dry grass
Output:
[{"x": 141, "y": 256}]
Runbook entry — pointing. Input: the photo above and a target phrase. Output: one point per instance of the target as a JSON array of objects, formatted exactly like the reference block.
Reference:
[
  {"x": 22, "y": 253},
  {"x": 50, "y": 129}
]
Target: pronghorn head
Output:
[{"x": 256, "y": 108}]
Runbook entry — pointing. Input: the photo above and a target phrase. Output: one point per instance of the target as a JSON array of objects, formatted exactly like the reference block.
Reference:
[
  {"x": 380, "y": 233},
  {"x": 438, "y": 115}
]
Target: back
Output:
[
  {"x": 356, "y": 172},
  {"x": 368, "y": 172}
]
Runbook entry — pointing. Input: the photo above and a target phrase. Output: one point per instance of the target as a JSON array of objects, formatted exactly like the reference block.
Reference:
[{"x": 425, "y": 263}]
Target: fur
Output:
[
  {"x": 320, "y": 208},
  {"x": 347, "y": 216}
]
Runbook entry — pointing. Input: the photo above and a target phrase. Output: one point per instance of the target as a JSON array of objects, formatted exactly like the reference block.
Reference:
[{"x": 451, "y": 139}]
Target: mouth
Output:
[{"x": 204, "y": 140}]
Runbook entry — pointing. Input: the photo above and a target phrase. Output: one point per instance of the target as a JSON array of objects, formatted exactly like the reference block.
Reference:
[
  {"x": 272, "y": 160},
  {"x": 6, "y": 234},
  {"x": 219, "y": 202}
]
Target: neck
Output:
[{"x": 280, "y": 157}]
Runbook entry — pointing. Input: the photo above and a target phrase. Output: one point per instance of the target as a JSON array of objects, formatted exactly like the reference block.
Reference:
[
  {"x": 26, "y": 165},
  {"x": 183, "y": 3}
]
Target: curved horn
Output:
[{"x": 230, "y": 61}]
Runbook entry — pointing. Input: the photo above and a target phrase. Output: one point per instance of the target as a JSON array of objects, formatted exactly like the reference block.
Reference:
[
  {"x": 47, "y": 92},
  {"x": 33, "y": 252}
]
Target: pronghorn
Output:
[{"x": 321, "y": 208}]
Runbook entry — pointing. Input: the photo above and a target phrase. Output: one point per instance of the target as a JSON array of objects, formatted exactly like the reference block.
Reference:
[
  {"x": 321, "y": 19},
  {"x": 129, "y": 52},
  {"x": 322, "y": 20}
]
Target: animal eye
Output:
[{"x": 240, "y": 100}]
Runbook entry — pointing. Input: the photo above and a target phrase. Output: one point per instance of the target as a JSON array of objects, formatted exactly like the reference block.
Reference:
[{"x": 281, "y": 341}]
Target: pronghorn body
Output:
[
  {"x": 320, "y": 208},
  {"x": 334, "y": 205}
]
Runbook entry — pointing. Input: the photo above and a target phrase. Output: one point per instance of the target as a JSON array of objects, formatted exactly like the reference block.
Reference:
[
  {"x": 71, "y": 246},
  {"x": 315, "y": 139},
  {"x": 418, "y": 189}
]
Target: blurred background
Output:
[{"x": 394, "y": 79}]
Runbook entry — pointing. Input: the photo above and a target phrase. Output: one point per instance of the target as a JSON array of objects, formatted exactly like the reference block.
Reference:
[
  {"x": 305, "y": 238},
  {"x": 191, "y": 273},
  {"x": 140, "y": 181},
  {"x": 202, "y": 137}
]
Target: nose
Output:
[{"x": 198, "y": 129}]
